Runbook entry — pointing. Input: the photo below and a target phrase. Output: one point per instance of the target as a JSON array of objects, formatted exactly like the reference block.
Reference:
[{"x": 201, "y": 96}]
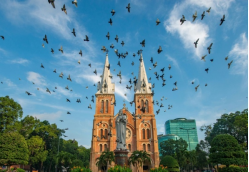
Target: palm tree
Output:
[
  {"x": 138, "y": 158},
  {"x": 107, "y": 157}
]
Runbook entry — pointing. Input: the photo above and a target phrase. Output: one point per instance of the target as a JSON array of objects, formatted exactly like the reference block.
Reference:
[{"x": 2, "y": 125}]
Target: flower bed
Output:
[
  {"x": 80, "y": 169},
  {"x": 159, "y": 169},
  {"x": 118, "y": 168}
]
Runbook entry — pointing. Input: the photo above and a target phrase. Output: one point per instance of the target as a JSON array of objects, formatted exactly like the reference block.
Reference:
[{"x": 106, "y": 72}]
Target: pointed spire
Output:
[
  {"x": 106, "y": 86},
  {"x": 142, "y": 85}
]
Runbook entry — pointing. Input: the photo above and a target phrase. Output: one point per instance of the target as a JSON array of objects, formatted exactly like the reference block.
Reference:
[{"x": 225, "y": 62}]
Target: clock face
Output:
[{"x": 128, "y": 133}]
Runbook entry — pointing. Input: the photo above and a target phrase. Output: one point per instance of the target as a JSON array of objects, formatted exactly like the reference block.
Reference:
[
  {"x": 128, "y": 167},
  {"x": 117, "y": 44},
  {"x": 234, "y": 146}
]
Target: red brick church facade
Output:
[{"x": 141, "y": 134}]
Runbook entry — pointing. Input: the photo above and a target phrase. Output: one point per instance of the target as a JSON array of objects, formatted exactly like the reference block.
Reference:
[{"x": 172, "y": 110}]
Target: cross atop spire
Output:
[
  {"x": 106, "y": 86},
  {"x": 142, "y": 85}
]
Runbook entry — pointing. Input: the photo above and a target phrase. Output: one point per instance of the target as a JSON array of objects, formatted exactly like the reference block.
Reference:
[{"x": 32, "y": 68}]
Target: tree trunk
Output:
[
  {"x": 49, "y": 166},
  {"x": 30, "y": 168},
  {"x": 8, "y": 168}
]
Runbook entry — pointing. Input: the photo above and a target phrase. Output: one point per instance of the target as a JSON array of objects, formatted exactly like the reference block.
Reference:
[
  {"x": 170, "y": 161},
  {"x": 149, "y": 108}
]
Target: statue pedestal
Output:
[{"x": 121, "y": 157}]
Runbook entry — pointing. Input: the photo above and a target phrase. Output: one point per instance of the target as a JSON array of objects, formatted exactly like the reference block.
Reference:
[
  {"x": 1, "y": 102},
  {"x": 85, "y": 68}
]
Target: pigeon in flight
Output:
[
  {"x": 95, "y": 71},
  {"x": 122, "y": 43},
  {"x": 110, "y": 21},
  {"x": 52, "y": 50},
  {"x": 26, "y": 92},
  {"x": 112, "y": 46},
  {"x": 203, "y": 15},
  {"x": 68, "y": 113},
  {"x": 158, "y": 22},
  {"x": 226, "y": 57},
  {"x": 169, "y": 67},
  {"x": 203, "y": 58},
  {"x": 113, "y": 12},
  {"x": 194, "y": 16},
  {"x": 80, "y": 53},
  {"x": 42, "y": 66},
  {"x": 196, "y": 42},
  {"x": 2, "y": 37},
  {"x": 182, "y": 20},
  {"x": 68, "y": 100},
  {"x": 208, "y": 11},
  {"x": 155, "y": 64},
  {"x": 68, "y": 78},
  {"x": 64, "y": 9},
  {"x": 47, "y": 90},
  {"x": 43, "y": 45},
  {"x": 211, "y": 60},
  {"x": 196, "y": 87},
  {"x": 89, "y": 107},
  {"x": 116, "y": 38},
  {"x": 61, "y": 49},
  {"x": 229, "y": 64},
  {"x": 103, "y": 49},
  {"x": 45, "y": 39},
  {"x": 129, "y": 7},
  {"x": 143, "y": 43},
  {"x": 87, "y": 39},
  {"x": 52, "y": 2},
  {"x": 159, "y": 50},
  {"x": 151, "y": 59},
  {"x": 209, "y": 48},
  {"x": 222, "y": 19},
  {"x": 207, "y": 70},
  {"x": 75, "y": 3},
  {"x": 108, "y": 36},
  {"x": 73, "y": 32}
]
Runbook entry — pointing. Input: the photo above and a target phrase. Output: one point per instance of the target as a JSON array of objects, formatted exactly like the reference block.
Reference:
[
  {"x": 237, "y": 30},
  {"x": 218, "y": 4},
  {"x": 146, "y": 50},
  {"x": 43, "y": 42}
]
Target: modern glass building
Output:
[
  {"x": 183, "y": 128},
  {"x": 162, "y": 138}
]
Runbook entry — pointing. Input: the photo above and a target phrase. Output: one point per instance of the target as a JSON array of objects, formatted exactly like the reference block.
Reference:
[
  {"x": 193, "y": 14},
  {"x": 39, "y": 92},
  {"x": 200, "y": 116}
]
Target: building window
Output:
[
  {"x": 147, "y": 106},
  {"x": 101, "y": 133},
  {"x": 105, "y": 147},
  {"x": 129, "y": 147},
  {"x": 144, "y": 147},
  {"x": 148, "y": 147},
  {"x": 106, "y": 133},
  {"x": 148, "y": 133},
  {"x": 102, "y": 106},
  {"x": 142, "y": 103},
  {"x": 100, "y": 148},
  {"x": 106, "y": 106},
  {"x": 143, "y": 133}
]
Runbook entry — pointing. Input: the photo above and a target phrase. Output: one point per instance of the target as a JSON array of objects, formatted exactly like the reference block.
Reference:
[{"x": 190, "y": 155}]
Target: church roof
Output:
[
  {"x": 142, "y": 85},
  {"x": 106, "y": 86}
]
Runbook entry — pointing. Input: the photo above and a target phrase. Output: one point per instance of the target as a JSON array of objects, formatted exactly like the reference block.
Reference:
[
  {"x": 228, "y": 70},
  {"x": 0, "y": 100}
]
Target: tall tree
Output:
[
  {"x": 226, "y": 150},
  {"x": 138, "y": 158},
  {"x": 36, "y": 150},
  {"x": 107, "y": 157},
  {"x": 14, "y": 149},
  {"x": 10, "y": 112}
]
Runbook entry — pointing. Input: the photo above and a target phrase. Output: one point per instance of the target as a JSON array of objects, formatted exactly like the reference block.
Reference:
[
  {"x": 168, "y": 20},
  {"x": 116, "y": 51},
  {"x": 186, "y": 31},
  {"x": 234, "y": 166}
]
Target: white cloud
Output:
[
  {"x": 190, "y": 31},
  {"x": 174, "y": 61},
  {"x": 19, "y": 61},
  {"x": 36, "y": 78},
  {"x": 239, "y": 53},
  {"x": 9, "y": 83},
  {"x": 47, "y": 116},
  {"x": 160, "y": 129}
]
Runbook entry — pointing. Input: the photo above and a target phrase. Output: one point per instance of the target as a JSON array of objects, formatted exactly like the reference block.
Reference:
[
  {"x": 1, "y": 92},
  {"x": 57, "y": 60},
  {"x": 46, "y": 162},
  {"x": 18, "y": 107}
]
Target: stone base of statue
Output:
[{"x": 121, "y": 157}]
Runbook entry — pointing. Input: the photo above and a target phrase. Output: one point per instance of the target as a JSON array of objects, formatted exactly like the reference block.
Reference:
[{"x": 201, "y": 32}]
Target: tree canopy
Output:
[{"x": 170, "y": 162}]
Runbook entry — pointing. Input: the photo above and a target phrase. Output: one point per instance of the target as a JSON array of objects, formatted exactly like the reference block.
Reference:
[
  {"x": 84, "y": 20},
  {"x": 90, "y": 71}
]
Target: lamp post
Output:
[
  {"x": 59, "y": 145},
  {"x": 187, "y": 129}
]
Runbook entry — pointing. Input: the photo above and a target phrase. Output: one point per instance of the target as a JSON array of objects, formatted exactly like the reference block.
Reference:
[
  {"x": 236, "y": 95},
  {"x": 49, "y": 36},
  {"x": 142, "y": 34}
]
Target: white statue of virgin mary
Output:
[{"x": 121, "y": 122}]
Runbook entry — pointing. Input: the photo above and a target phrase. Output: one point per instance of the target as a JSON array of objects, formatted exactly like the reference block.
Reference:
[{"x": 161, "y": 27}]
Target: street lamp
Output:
[
  {"x": 188, "y": 134},
  {"x": 59, "y": 144}
]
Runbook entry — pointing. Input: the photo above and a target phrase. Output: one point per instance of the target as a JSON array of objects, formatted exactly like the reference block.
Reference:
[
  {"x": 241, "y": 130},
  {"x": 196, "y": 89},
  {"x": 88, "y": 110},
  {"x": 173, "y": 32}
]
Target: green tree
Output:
[
  {"x": 226, "y": 150},
  {"x": 170, "y": 162},
  {"x": 10, "y": 112},
  {"x": 36, "y": 150},
  {"x": 84, "y": 155},
  {"x": 14, "y": 149},
  {"x": 107, "y": 157},
  {"x": 139, "y": 158},
  {"x": 201, "y": 155}
]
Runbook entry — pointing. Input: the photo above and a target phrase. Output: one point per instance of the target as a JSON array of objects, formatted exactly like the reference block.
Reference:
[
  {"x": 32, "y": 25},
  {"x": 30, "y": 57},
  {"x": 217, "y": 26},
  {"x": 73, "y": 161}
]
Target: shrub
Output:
[
  {"x": 233, "y": 169},
  {"x": 159, "y": 169},
  {"x": 170, "y": 162},
  {"x": 118, "y": 168},
  {"x": 20, "y": 170},
  {"x": 80, "y": 169}
]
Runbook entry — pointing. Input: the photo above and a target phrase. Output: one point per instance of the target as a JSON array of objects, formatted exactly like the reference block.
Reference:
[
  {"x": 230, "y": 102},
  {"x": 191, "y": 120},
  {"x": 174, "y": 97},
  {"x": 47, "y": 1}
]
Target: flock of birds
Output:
[{"x": 123, "y": 56}]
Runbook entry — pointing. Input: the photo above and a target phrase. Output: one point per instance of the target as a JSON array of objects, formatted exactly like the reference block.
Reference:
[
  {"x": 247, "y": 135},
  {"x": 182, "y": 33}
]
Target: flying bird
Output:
[
  {"x": 222, "y": 19},
  {"x": 68, "y": 78},
  {"x": 122, "y": 43},
  {"x": 42, "y": 65},
  {"x": 87, "y": 39},
  {"x": 110, "y": 21},
  {"x": 112, "y": 46},
  {"x": 143, "y": 43},
  {"x": 68, "y": 100},
  {"x": 47, "y": 90},
  {"x": 108, "y": 36},
  {"x": 209, "y": 48},
  {"x": 75, "y": 3},
  {"x": 25, "y": 92},
  {"x": 2, "y": 37},
  {"x": 52, "y": 50},
  {"x": 95, "y": 71},
  {"x": 103, "y": 49},
  {"x": 73, "y": 32},
  {"x": 80, "y": 53},
  {"x": 52, "y": 2},
  {"x": 196, "y": 42},
  {"x": 208, "y": 11},
  {"x": 64, "y": 9},
  {"x": 226, "y": 57},
  {"x": 158, "y": 22},
  {"x": 169, "y": 67},
  {"x": 116, "y": 38},
  {"x": 203, "y": 58},
  {"x": 45, "y": 39},
  {"x": 229, "y": 64},
  {"x": 128, "y": 7},
  {"x": 196, "y": 87},
  {"x": 182, "y": 20},
  {"x": 113, "y": 12},
  {"x": 155, "y": 64},
  {"x": 194, "y": 16},
  {"x": 89, "y": 107},
  {"x": 151, "y": 59},
  {"x": 203, "y": 15},
  {"x": 43, "y": 45},
  {"x": 159, "y": 50},
  {"x": 61, "y": 49},
  {"x": 207, "y": 70},
  {"x": 211, "y": 60}
]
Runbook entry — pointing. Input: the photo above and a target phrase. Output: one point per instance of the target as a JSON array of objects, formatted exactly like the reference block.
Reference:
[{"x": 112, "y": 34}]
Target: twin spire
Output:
[{"x": 142, "y": 85}]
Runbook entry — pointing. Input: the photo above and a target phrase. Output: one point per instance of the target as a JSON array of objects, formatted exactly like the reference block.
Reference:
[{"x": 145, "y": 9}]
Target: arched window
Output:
[
  {"x": 105, "y": 147},
  {"x": 144, "y": 147},
  {"x": 106, "y": 133},
  {"x": 101, "y": 133},
  {"x": 102, "y": 106},
  {"x": 148, "y": 147},
  {"x": 148, "y": 133},
  {"x": 142, "y": 103},
  {"x": 100, "y": 148},
  {"x": 147, "y": 106},
  {"x": 143, "y": 133},
  {"x": 129, "y": 147},
  {"x": 106, "y": 106}
]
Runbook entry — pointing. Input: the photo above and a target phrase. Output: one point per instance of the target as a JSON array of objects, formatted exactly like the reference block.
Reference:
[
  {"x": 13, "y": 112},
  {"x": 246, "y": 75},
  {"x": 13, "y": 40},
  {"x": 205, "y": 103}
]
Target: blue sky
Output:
[{"x": 21, "y": 54}]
